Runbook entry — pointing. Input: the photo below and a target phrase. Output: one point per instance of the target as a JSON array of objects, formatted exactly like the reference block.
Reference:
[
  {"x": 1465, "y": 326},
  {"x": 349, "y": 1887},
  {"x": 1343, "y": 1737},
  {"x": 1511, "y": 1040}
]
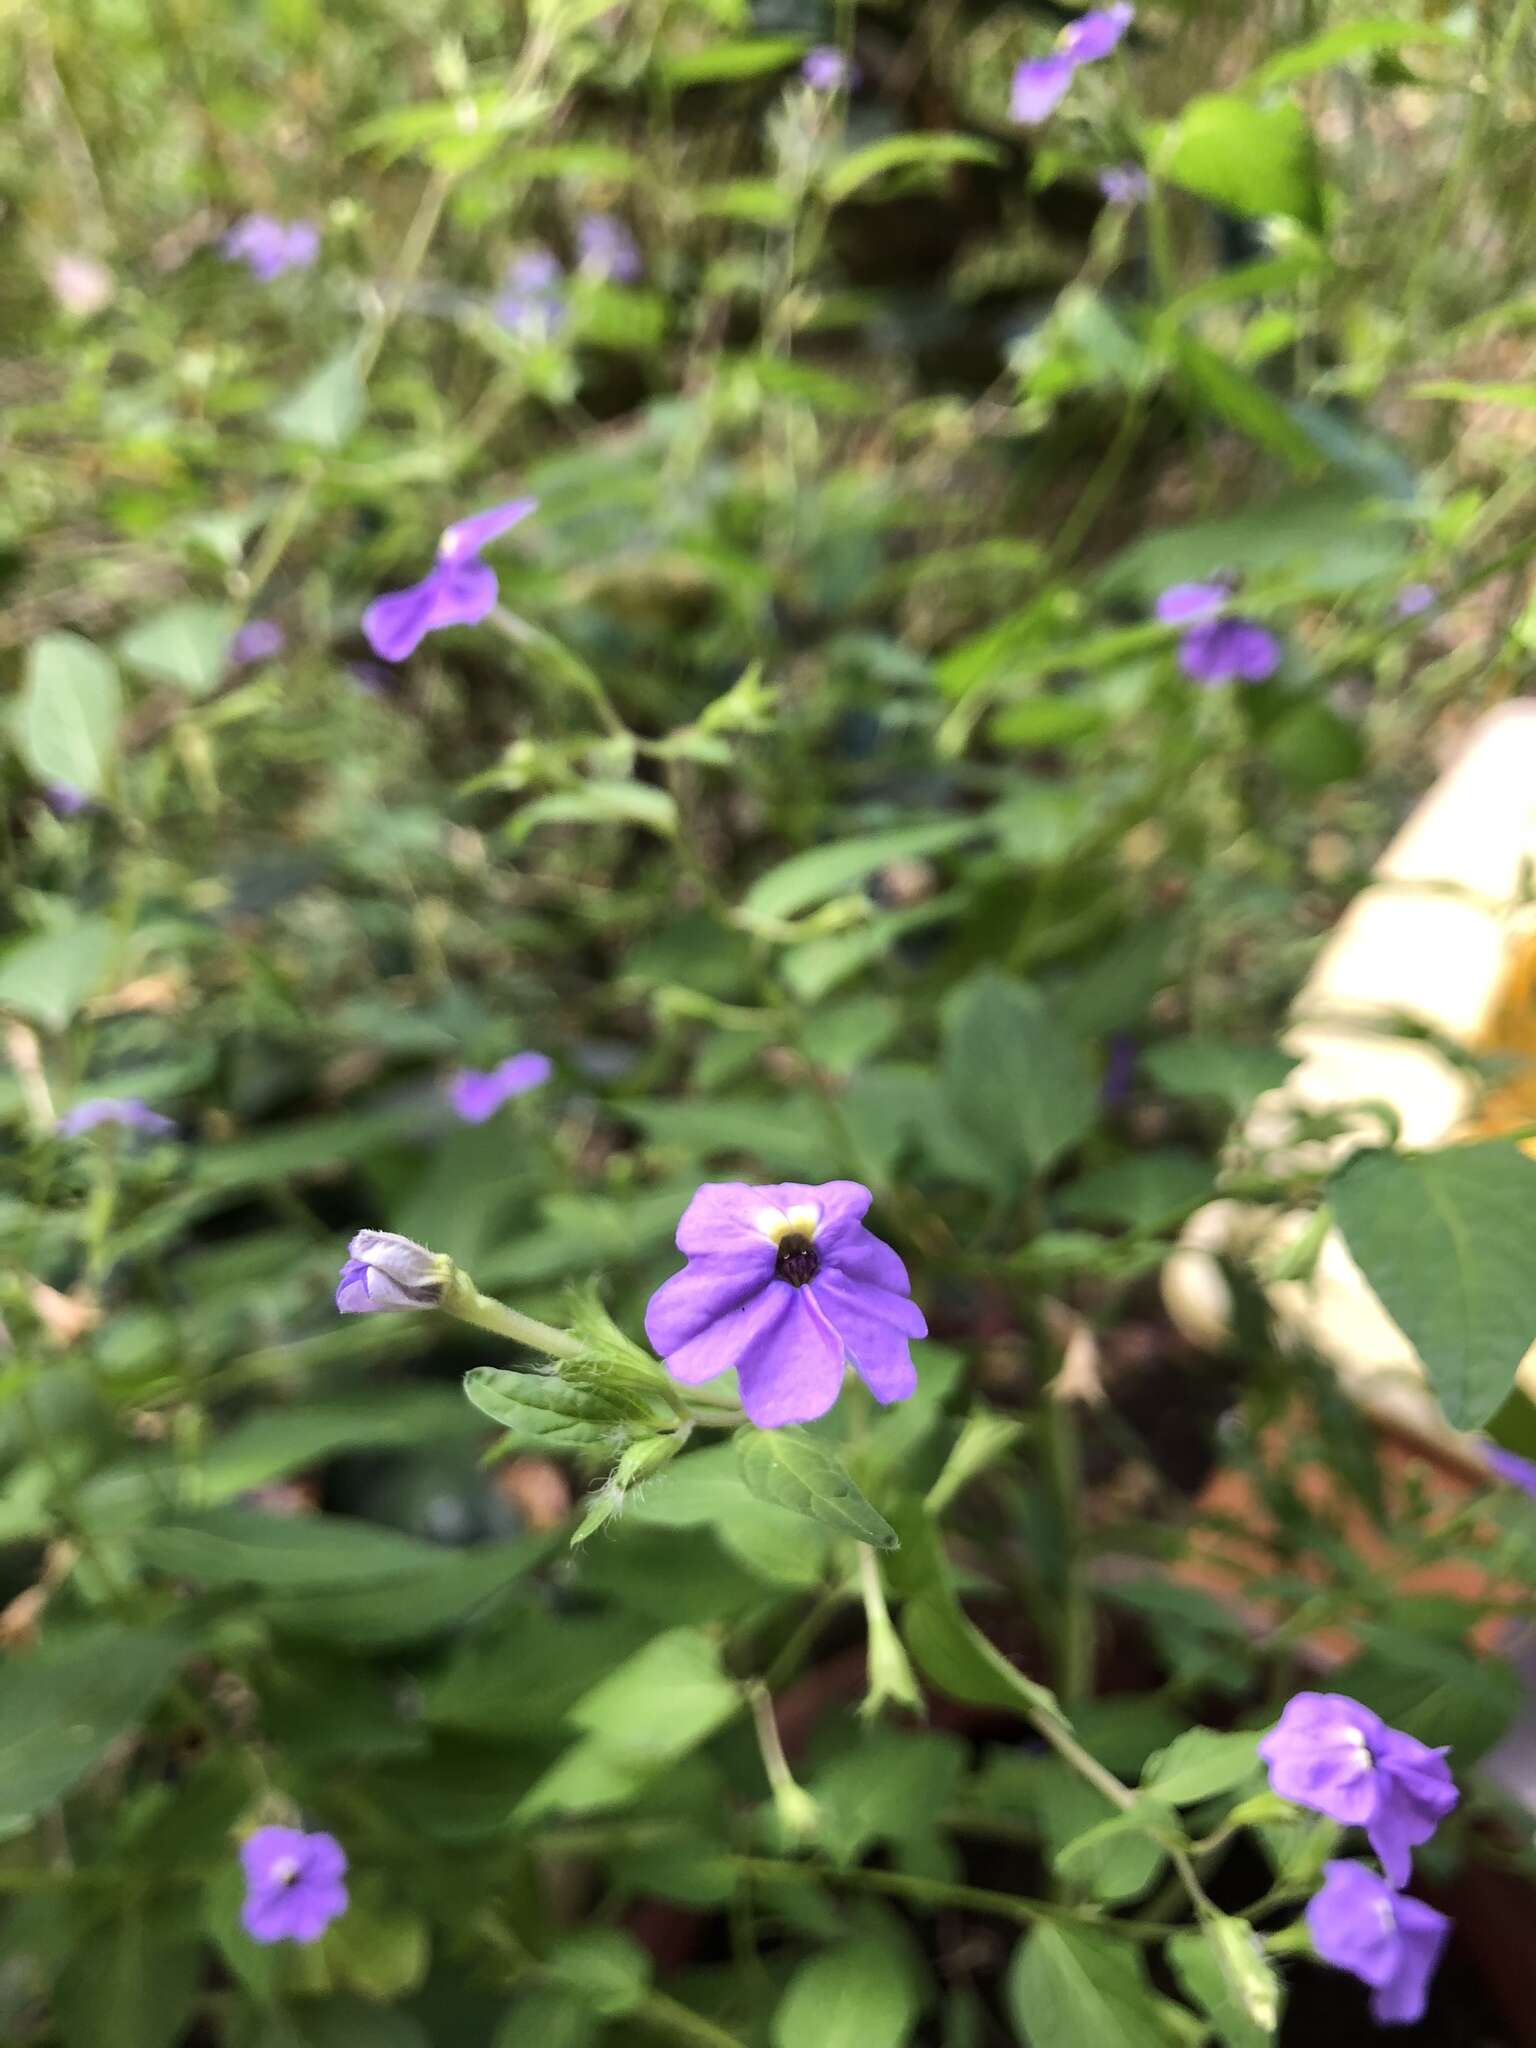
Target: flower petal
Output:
[
  {"x": 793, "y": 1370},
  {"x": 1353, "y": 1923},
  {"x": 468, "y": 536},
  {"x": 1421, "y": 1933},
  {"x": 1182, "y": 604},
  {"x": 876, "y": 1328},
  {"x": 866, "y": 1260},
  {"x": 1039, "y": 87},
  {"x": 697, "y": 1321}
]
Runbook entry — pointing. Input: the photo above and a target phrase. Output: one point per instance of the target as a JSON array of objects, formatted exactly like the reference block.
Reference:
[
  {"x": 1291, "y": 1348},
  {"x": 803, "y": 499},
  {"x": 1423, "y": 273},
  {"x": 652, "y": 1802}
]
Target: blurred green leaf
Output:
[
  {"x": 49, "y": 978},
  {"x": 186, "y": 644},
  {"x": 859, "y": 1994},
  {"x": 1013, "y": 1077},
  {"x": 133, "y": 1983},
  {"x": 66, "y": 718},
  {"x": 1347, "y": 39},
  {"x": 326, "y": 411},
  {"x": 809, "y": 878},
  {"x": 798, "y": 1472},
  {"x": 1253, "y": 159},
  {"x": 542, "y": 1409},
  {"x": 904, "y": 153},
  {"x": 1072, "y": 1987},
  {"x": 1201, "y": 1763}
]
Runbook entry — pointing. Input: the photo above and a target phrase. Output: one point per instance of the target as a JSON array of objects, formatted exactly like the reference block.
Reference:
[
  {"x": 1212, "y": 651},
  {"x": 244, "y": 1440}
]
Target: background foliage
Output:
[{"x": 828, "y": 804}]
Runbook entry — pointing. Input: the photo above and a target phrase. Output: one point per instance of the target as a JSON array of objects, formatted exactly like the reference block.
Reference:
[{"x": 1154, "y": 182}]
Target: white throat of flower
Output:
[{"x": 777, "y": 1224}]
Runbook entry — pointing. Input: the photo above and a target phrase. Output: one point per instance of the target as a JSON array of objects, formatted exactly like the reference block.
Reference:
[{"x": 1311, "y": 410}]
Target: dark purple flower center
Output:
[{"x": 798, "y": 1261}]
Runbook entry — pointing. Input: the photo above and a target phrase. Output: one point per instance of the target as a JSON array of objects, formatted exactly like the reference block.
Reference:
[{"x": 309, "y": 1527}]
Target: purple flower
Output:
[
  {"x": 126, "y": 1110},
  {"x": 257, "y": 640},
  {"x": 294, "y": 1884},
  {"x": 1219, "y": 646},
  {"x": 1511, "y": 1468},
  {"x": 1123, "y": 184},
  {"x": 1415, "y": 598},
  {"x": 607, "y": 249},
  {"x": 268, "y": 247},
  {"x": 64, "y": 800},
  {"x": 531, "y": 304},
  {"x": 1331, "y": 1754},
  {"x": 459, "y": 590},
  {"x": 1119, "y": 1070},
  {"x": 787, "y": 1285},
  {"x": 387, "y": 1271},
  {"x": 477, "y": 1096},
  {"x": 1393, "y": 1943},
  {"x": 825, "y": 69},
  {"x": 1040, "y": 85}
]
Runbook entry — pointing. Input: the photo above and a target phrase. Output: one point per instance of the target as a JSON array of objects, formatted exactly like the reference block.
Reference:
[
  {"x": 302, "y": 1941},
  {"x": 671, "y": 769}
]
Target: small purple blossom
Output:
[
  {"x": 1218, "y": 646},
  {"x": 607, "y": 249},
  {"x": 1124, "y": 184},
  {"x": 294, "y": 1884},
  {"x": 64, "y": 800},
  {"x": 459, "y": 590},
  {"x": 1119, "y": 1070},
  {"x": 387, "y": 1271},
  {"x": 531, "y": 303},
  {"x": 268, "y": 247},
  {"x": 1391, "y": 1942},
  {"x": 1511, "y": 1468},
  {"x": 257, "y": 640},
  {"x": 1415, "y": 598},
  {"x": 477, "y": 1096},
  {"x": 785, "y": 1284},
  {"x": 1329, "y": 1753},
  {"x": 826, "y": 69},
  {"x": 124, "y": 1110},
  {"x": 1041, "y": 83}
]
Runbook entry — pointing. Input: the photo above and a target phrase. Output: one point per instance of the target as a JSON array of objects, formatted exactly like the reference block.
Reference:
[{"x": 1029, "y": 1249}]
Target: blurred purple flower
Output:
[
  {"x": 1511, "y": 1468},
  {"x": 294, "y": 1884},
  {"x": 459, "y": 590},
  {"x": 1040, "y": 84},
  {"x": 386, "y": 1271},
  {"x": 257, "y": 640},
  {"x": 1119, "y": 1070},
  {"x": 607, "y": 249},
  {"x": 826, "y": 69},
  {"x": 64, "y": 800},
  {"x": 1329, "y": 1753},
  {"x": 785, "y": 1284},
  {"x": 531, "y": 303},
  {"x": 1124, "y": 184},
  {"x": 126, "y": 1110},
  {"x": 477, "y": 1096},
  {"x": 268, "y": 247},
  {"x": 1415, "y": 598},
  {"x": 1218, "y": 647},
  {"x": 1393, "y": 1943}
]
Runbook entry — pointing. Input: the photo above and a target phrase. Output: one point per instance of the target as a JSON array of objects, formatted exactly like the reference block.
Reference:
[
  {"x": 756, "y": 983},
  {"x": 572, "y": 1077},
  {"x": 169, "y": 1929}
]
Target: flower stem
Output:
[{"x": 471, "y": 1306}]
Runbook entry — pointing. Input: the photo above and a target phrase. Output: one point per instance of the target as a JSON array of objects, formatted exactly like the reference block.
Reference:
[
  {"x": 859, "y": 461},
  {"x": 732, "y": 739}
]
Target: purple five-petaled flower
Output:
[
  {"x": 1329, "y": 1753},
  {"x": 294, "y": 1884},
  {"x": 1218, "y": 645},
  {"x": 125, "y": 1110},
  {"x": 825, "y": 69},
  {"x": 257, "y": 640},
  {"x": 1040, "y": 85},
  {"x": 607, "y": 250},
  {"x": 387, "y": 1271},
  {"x": 1389, "y": 1941},
  {"x": 1124, "y": 184},
  {"x": 477, "y": 1096},
  {"x": 268, "y": 247},
  {"x": 531, "y": 303},
  {"x": 459, "y": 590},
  {"x": 1415, "y": 598},
  {"x": 1511, "y": 1468},
  {"x": 785, "y": 1284}
]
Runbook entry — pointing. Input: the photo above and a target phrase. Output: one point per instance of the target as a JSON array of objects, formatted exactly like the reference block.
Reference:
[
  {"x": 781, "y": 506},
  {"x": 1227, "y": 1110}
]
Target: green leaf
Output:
[
  {"x": 927, "y": 152},
  {"x": 1076, "y": 1988},
  {"x": 540, "y": 1408},
  {"x": 186, "y": 644},
  {"x": 1255, "y": 160},
  {"x": 1444, "y": 1238},
  {"x": 860, "y": 1994},
  {"x": 600, "y": 803},
  {"x": 798, "y": 1472},
  {"x": 810, "y": 878},
  {"x": 66, "y": 717},
  {"x": 718, "y": 63},
  {"x": 606, "y": 1968},
  {"x": 379, "y": 1951},
  {"x": 51, "y": 977},
  {"x": 706, "y": 1490},
  {"x": 1476, "y": 394},
  {"x": 1118, "y": 1856},
  {"x": 551, "y": 2017},
  {"x": 1150, "y": 1191},
  {"x": 1348, "y": 39},
  {"x": 426, "y": 1601},
  {"x": 954, "y": 1654},
  {"x": 64, "y": 1704},
  {"x": 1199, "y": 1764},
  {"x": 327, "y": 410},
  {"x": 1242, "y": 401},
  {"x": 133, "y": 1983},
  {"x": 1239, "y": 1993},
  {"x": 1014, "y": 1078},
  {"x": 233, "y": 1546},
  {"x": 1210, "y": 1069}
]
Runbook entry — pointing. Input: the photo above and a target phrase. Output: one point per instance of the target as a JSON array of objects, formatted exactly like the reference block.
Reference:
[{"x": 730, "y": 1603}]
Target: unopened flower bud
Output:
[{"x": 386, "y": 1271}]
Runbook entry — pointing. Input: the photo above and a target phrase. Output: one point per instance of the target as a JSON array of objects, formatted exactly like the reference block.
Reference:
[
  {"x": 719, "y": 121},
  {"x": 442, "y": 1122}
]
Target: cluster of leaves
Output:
[{"x": 826, "y": 804}]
